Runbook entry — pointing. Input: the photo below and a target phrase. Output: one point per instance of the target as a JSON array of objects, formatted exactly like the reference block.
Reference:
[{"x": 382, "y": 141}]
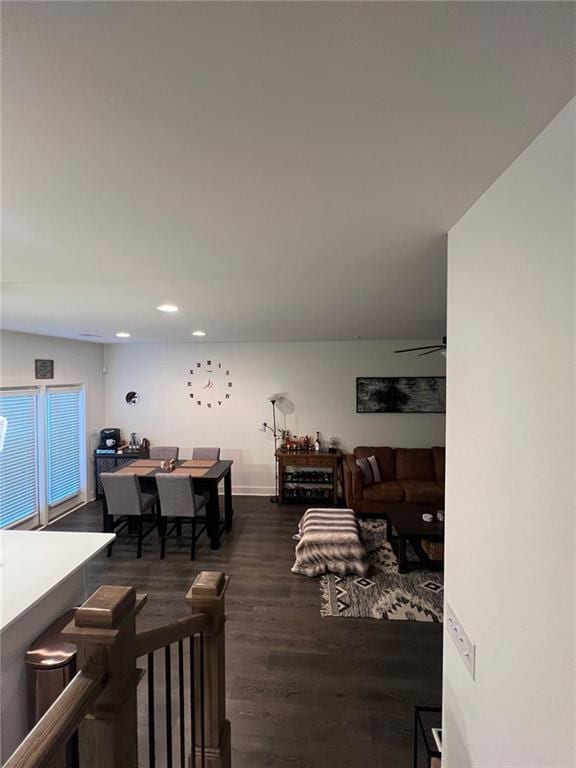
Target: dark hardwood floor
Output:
[{"x": 303, "y": 691}]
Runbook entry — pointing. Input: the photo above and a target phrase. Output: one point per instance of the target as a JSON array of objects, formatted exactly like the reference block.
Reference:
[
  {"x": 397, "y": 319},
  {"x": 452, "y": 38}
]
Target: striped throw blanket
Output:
[{"x": 330, "y": 542}]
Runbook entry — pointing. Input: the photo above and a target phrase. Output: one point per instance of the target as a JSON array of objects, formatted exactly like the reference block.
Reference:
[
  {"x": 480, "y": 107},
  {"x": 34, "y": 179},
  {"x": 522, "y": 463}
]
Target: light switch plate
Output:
[{"x": 465, "y": 646}]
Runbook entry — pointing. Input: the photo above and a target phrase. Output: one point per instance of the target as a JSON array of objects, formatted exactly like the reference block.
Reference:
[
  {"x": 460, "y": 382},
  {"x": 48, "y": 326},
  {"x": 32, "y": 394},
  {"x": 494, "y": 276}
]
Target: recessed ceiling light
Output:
[
  {"x": 123, "y": 335},
  {"x": 91, "y": 335},
  {"x": 199, "y": 333},
  {"x": 167, "y": 308}
]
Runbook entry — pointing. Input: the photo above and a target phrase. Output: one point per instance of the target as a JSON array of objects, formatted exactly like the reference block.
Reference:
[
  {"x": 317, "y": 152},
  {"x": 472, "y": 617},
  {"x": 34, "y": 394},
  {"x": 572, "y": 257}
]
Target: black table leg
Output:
[
  {"x": 105, "y": 516},
  {"x": 228, "y": 511},
  {"x": 401, "y": 554},
  {"x": 107, "y": 524},
  {"x": 415, "y": 740},
  {"x": 213, "y": 516}
]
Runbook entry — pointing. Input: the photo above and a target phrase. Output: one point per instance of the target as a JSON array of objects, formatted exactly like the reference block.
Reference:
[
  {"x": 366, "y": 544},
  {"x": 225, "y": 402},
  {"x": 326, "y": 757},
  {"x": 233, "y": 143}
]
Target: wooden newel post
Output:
[
  {"x": 104, "y": 631},
  {"x": 207, "y": 595}
]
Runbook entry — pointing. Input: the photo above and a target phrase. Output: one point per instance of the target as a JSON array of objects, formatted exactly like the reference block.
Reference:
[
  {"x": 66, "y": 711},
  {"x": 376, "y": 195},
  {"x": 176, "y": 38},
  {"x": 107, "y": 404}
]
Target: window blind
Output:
[
  {"x": 63, "y": 434},
  {"x": 19, "y": 459}
]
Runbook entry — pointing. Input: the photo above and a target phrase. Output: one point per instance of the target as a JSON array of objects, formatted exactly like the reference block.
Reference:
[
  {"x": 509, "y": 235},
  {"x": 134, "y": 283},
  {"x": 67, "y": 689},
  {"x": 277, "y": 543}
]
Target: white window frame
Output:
[
  {"x": 33, "y": 520},
  {"x": 46, "y": 513},
  {"x": 49, "y": 512}
]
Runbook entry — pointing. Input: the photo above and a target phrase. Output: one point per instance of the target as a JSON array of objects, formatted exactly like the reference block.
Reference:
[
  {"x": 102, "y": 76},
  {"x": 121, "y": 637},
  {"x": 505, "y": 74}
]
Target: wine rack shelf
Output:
[{"x": 309, "y": 477}]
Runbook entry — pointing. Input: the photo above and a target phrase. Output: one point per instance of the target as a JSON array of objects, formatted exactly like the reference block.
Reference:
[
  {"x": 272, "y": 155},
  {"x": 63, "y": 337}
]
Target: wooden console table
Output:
[{"x": 308, "y": 476}]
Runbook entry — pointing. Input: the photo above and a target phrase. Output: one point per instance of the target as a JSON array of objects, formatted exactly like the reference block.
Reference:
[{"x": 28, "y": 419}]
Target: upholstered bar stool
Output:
[
  {"x": 164, "y": 452},
  {"x": 206, "y": 453},
  {"x": 125, "y": 499},
  {"x": 179, "y": 503}
]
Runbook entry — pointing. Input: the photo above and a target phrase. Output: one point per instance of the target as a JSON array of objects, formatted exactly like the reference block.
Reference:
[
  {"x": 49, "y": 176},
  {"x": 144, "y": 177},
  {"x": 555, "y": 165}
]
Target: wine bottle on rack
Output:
[{"x": 317, "y": 445}]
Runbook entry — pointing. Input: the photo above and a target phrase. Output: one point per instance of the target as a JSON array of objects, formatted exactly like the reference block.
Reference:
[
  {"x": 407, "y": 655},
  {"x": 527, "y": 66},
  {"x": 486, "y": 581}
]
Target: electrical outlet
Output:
[{"x": 465, "y": 646}]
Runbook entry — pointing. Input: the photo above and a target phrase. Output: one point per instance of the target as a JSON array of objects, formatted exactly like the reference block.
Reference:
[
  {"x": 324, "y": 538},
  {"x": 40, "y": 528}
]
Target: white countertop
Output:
[{"x": 35, "y": 562}]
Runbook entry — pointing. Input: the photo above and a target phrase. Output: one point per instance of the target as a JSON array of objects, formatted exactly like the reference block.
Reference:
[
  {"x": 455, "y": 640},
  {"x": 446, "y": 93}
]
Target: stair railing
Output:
[{"x": 100, "y": 703}]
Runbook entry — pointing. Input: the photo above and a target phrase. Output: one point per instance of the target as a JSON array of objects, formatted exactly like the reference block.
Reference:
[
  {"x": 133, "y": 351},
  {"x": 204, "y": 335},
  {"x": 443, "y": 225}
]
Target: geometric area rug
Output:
[{"x": 383, "y": 593}]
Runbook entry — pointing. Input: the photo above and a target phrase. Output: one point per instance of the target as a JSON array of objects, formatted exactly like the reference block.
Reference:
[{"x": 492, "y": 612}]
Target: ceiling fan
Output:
[{"x": 430, "y": 350}]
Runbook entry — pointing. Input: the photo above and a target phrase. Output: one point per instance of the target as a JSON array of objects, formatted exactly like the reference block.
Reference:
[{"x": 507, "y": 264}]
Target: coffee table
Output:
[{"x": 405, "y": 524}]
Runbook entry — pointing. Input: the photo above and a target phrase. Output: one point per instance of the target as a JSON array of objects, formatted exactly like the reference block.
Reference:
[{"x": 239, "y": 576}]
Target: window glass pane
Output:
[
  {"x": 18, "y": 459},
  {"x": 63, "y": 440}
]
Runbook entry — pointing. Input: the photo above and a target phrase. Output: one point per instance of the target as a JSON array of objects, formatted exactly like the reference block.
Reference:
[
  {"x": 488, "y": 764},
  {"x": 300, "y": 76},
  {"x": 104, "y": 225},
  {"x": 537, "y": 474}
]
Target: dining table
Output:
[{"x": 207, "y": 476}]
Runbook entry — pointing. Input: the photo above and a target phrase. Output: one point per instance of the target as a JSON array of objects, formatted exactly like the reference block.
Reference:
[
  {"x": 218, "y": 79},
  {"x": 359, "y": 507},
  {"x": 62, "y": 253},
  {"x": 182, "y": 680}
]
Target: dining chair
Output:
[
  {"x": 179, "y": 503},
  {"x": 164, "y": 452},
  {"x": 125, "y": 499},
  {"x": 206, "y": 453}
]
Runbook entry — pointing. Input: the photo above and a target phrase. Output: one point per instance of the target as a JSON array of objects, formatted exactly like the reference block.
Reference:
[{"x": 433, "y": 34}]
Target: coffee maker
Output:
[{"x": 109, "y": 440}]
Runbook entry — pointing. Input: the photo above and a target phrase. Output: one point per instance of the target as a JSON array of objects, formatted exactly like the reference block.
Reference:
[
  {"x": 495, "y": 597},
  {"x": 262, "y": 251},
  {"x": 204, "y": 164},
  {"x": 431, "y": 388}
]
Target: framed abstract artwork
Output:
[
  {"x": 401, "y": 394},
  {"x": 44, "y": 369}
]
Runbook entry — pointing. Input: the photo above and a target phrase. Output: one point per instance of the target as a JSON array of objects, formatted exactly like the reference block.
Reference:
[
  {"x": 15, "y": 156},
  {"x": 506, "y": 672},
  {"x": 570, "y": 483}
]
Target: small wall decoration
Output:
[
  {"x": 209, "y": 384},
  {"x": 402, "y": 394},
  {"x": 132, "y": 398},
  {"x": 44, "y": 369}
]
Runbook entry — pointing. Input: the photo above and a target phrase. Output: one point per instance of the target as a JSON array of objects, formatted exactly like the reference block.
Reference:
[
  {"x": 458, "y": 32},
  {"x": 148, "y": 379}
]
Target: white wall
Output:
[
  {"x": 510, "y": 465},
  {"x": 318, "y": 379},
  {"x": 75, "y": 362}
]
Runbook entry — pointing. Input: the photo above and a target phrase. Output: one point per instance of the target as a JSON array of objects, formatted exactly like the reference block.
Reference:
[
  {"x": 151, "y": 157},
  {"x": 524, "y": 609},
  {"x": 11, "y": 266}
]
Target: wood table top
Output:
[
  {"x": 281, "y": 453},
  {"x": 198, "y": 468},
  {"x": 407, "y": 520}
]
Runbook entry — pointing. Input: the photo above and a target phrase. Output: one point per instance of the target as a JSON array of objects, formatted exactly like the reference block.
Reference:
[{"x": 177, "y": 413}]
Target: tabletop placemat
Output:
[
  {"x": 190, "y": 471},
  {"x": 145, "y": 463},
  {"x": 132, "y": 470},
  {"x": 198, "y": 463}
]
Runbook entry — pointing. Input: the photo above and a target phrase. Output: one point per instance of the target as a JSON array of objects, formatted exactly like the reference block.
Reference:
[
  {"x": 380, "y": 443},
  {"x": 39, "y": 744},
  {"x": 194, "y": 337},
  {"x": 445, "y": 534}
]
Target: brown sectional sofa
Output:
[{"x": 409, "y": 475}]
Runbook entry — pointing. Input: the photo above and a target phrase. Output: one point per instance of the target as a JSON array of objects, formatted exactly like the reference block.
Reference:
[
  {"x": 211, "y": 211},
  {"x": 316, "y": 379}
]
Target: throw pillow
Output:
[{"x": 370, "y": 470}]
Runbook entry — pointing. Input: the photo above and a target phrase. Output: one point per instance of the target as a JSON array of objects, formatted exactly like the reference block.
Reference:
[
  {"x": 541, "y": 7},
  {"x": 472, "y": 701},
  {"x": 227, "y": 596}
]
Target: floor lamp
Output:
[{"x": 274, "y": 499}]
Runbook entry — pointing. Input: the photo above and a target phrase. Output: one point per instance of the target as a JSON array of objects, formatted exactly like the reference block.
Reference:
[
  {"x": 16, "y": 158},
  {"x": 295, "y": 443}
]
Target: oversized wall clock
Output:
[{"x": 209, "y": 384}]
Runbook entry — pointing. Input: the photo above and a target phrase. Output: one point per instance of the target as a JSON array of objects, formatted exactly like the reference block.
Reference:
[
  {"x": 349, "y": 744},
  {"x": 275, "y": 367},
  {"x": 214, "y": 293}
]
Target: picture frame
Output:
[
  {"x": 44, "y": 369},
  {"x": 401, "y": 394}
]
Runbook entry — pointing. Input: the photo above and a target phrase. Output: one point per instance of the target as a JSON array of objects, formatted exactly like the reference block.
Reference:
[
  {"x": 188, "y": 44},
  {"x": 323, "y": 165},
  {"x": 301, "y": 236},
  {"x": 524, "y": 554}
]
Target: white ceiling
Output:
[{"x": 278, "y": 170}]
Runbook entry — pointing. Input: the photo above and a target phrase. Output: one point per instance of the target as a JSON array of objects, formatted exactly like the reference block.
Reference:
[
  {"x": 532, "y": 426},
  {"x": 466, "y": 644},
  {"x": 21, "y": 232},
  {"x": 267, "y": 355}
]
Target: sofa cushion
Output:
[
  {"x": 414, "y": 464},
  {"x": 353, "y": 482},
  {"x": 388, "y": 491},
  {"x": 385, "y": 457},
  {"x": 439, "y": 454},
  {"x": 370, "y": 470},
  {"x": 423, "y": 491}
]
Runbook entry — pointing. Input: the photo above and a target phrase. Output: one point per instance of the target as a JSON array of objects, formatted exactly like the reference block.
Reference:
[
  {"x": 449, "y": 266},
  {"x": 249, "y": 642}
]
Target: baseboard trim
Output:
[{"x": 252, "y": 490}]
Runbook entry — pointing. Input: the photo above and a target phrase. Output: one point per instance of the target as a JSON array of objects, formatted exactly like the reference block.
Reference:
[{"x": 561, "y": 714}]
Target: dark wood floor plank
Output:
[{"x": 303, "y": 691}]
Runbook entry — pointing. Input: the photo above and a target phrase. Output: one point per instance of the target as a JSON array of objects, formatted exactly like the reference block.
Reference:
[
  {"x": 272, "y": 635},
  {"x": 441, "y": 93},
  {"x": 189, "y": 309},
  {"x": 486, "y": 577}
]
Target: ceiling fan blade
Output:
[
  {"x": 417, "y": 349},
  {"x": 431, "y": 352}
]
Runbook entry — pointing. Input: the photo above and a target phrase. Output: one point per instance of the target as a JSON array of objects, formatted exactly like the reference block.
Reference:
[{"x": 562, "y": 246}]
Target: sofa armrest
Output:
[{"x": 353, "y": 480}]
